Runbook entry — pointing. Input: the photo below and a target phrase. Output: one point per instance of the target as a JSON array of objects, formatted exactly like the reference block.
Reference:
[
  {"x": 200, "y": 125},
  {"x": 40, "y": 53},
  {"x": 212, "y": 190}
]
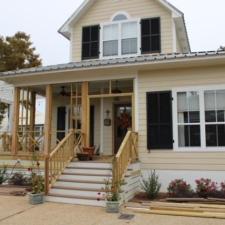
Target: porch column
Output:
[
  {"x": 32, "y": 119},
  {"x": 47, "y": 133},
  {"x": 16, "y": 112},
  {"x": 85, "y": 113}
]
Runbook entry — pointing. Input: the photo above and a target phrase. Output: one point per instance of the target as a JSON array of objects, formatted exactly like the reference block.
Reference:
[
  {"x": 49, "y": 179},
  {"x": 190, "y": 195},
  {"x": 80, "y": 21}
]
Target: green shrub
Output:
[{"x": 151, "y": 185}]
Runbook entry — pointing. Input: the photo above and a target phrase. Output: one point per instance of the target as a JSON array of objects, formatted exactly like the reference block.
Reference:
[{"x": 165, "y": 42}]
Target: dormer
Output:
[{"x": 102, "y": 29}]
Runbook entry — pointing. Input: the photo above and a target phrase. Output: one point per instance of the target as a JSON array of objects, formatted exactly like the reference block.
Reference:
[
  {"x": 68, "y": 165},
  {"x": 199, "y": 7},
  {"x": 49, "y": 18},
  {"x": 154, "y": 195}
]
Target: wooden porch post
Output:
[
  {"x": 47, "y": 133},
  {"x": 32, "y": 119},
  {"x": 16, "y": 112},
  {"x": 85, "y": 113}
]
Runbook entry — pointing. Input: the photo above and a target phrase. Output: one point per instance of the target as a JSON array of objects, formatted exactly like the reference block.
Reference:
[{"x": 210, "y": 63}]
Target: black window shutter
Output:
[
  {"x": 90, "y": 42},
  {"x": 150, "y": 35},
  {"x": 61, "y": 122},
  {"x": 159, "y": 120}
]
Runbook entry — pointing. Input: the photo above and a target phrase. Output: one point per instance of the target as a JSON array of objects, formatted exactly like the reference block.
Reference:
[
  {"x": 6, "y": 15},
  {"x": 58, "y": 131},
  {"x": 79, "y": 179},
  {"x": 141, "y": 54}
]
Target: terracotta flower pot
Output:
[{"x": 90, "y": 151}]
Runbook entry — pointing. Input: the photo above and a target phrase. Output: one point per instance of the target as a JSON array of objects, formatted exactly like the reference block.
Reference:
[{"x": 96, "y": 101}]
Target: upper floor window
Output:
[
  {"x": 150, "y": 35},
  {"x": 120, "y": 38},
  {"x": 90, "y": 42}
]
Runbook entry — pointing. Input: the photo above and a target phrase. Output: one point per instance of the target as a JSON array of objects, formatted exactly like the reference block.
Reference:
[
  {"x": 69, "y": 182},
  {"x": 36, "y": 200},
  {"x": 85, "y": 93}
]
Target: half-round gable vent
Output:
[{"x": 119, "y": 17}]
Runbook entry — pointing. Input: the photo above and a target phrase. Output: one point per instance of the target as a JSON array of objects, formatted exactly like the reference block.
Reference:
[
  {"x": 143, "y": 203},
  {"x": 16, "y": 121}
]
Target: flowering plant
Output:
[
  {"x": 222, "y": 189},
  {"x": 112, "y": 191},
  {"x": 179, "y": 188},
  {"x": 205, "y": 187}
]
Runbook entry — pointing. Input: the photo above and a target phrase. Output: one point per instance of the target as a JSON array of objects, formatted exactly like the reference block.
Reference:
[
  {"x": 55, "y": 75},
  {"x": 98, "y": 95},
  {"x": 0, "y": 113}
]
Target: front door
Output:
[{"x": 123, "y": 122}]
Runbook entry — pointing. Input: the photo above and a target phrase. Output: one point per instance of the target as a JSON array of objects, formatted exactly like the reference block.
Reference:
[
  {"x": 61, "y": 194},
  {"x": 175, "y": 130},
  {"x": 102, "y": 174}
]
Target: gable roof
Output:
[{"x": 82, "y": 9}]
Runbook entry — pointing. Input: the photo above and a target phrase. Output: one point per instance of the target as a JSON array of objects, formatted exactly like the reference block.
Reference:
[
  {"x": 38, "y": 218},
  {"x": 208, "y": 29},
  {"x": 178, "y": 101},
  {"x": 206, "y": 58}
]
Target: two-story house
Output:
[{"x": 134, "y": 91}]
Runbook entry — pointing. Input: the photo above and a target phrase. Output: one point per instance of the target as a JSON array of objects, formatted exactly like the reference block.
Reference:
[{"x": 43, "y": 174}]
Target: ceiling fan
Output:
[{"x": 63, "y": 91}]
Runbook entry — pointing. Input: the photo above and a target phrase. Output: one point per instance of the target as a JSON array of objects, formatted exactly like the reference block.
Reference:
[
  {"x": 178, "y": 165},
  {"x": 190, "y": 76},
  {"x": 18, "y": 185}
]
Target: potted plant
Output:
[
  {"x": 36, "y": 196},
  {"x": 112, "y": 197}
]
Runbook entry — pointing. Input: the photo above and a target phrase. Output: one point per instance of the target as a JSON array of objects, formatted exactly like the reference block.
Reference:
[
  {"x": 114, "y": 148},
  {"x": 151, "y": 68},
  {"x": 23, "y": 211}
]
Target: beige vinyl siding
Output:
[
  {"x": 166, "y": 80},
  {"x": 6, "y": 92},
  {"x": 6, "y": 95},
  {"x": 103, "y": 10},
  {"x": 178, "y": 47},
  {"x": 97, "y": 120},
  {"x": 107, "y": 131}
]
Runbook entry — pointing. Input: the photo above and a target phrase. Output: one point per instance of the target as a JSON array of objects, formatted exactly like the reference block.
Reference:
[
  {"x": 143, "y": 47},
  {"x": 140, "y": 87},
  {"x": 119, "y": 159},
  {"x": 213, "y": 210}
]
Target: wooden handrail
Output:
[
  {"x": 127, "y": 154},
  {"x": 58, "y": 159}
]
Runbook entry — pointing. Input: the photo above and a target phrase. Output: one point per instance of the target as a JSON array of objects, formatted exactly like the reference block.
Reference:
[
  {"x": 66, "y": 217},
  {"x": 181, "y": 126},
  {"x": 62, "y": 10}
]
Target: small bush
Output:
[
  {"x": 206, "y": 188},
  {"x": 3, "y": 175},
  {"x": 179, "y": 189},
  {"x": 151, "y": 185},
  {"x": 18, "y": 179}
]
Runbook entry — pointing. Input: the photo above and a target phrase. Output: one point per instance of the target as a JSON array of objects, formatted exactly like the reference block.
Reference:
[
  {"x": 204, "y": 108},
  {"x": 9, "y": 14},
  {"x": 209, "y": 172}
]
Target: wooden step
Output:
[
  {"x": 80, "y": 185},
  {"x": 78, "y": 188},
  {"x": 75, "y": 201},
  {"x": 77, "y": 197},
  {"x": 80, "y": 181},
  {"x": 80, "y": 193},
  {"x": 86, "y": 174}
]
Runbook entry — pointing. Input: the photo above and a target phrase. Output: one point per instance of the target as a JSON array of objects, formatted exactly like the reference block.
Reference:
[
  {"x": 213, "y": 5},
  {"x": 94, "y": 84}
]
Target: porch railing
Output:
[
  {"x": 5, "y": 142},
  {"x": 60, "y": 157},
  {"x": 127, "y": 154},
  {"x": 29, "y": 141}
]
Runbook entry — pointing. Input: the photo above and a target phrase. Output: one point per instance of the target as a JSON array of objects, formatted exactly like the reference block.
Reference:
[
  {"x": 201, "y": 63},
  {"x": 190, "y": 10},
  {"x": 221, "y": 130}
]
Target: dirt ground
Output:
[{"x": 17, "y": 211}]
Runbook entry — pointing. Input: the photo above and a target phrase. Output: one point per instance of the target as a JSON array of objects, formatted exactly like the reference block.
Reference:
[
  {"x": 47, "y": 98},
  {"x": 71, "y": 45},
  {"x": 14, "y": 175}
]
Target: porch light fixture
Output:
[
  {"x": 63, "y": 92},
  {"x": 107, "y": 120}
]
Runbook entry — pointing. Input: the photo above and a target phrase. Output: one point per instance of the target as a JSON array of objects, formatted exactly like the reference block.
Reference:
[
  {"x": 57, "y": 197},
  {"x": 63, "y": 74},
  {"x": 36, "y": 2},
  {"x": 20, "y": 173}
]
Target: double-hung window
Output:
[
  {"x": 129, "y": 42},
  {"x": 199, "y": 118},
  {"x": 120, "y": 38},
  {"x": 110, "y": 40},
  {"x": 215, "y": 118}
]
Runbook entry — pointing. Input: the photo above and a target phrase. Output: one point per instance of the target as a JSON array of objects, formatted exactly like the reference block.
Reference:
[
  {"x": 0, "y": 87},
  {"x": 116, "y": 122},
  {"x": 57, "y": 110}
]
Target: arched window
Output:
[{"x": 120, "y": 17}]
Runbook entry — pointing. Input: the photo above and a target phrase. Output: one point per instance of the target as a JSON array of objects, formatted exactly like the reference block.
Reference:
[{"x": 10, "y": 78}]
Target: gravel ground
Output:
[{"x": 17, "y": 211}]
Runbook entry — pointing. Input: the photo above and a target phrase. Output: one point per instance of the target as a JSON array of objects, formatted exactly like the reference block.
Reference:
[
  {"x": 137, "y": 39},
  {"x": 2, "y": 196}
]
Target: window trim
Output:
[
  {"x": 203, "y": 147},
  {"x": 101, "y": 56}
]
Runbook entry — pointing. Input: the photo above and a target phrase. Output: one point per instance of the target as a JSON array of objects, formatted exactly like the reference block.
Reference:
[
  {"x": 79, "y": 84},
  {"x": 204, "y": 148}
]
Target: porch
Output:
[{"x": 99, "y": 114}]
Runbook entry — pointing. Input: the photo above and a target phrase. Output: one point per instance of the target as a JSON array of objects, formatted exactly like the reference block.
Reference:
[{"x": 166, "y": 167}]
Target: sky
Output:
[{"x": 41, "y": 19}]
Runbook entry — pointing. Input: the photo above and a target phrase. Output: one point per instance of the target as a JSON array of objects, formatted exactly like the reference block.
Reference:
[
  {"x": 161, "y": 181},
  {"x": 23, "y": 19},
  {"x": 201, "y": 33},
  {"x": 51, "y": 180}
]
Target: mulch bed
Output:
[
  {"x": 142, "y": 197},
  {"x": 12, "y": 190},
  {"x": 163, "y": 197}
]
